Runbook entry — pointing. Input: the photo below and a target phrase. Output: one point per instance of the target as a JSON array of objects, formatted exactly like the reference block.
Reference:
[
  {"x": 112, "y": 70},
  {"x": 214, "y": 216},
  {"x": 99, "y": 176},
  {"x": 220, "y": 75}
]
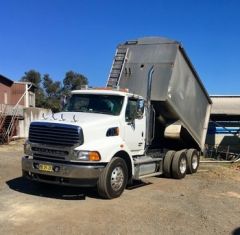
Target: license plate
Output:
[{"x": 44, "y": 167}]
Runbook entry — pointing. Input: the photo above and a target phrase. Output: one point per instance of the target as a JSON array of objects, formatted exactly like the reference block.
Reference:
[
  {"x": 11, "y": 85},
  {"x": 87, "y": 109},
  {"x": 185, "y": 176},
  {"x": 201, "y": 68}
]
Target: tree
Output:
[
  {"x": 48, "y": 93},
  {"x": 35, "y": 77},
  {"x": 52, "y": 89},
  {"x": 73, "y": 81},
  {"x": 40, "y": 98},
  {"x": 52, "y": 93}
]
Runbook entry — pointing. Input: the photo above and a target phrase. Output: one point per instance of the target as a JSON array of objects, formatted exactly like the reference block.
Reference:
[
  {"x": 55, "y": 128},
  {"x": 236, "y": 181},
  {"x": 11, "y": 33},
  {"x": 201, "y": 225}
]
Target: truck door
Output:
[{"x": 135, "y": 126}]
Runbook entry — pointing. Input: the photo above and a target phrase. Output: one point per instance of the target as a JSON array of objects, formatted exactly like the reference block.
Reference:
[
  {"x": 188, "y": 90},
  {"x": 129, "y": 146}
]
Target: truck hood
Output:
[{"x": 80, "y": 119}]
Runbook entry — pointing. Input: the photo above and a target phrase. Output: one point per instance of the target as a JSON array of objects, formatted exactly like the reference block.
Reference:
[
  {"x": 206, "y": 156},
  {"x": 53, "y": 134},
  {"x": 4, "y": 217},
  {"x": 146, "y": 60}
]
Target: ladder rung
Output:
[
  {"x": 122, "y": 50},
  {"x": 119, "y": 58},
  {"x": 118, "y": 62},
  {"x": 112, "y": 81},
  {"x": 117, "y": 66},
  {"x": 118, "y": 70},
  {"x": 114, "y": 75},
  {"x": 120, "y": 54},
  {"x": 123, "y": 55}
]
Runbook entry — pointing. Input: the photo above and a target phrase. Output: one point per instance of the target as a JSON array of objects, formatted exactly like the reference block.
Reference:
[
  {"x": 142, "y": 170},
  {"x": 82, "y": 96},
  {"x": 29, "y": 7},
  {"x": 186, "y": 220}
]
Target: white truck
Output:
[{"x": 150, "y": 119}]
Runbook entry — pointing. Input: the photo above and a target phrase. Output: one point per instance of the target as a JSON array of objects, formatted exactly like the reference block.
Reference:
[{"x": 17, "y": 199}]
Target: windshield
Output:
[{"x": 106, "y": 104}]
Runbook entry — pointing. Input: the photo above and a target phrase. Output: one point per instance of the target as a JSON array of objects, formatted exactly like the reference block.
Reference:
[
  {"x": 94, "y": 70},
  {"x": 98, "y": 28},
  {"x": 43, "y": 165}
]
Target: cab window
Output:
[{"x": 133, "y": 111}]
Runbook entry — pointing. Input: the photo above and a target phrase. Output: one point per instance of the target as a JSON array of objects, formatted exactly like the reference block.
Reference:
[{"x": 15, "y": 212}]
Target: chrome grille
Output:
[
  {"x": 48, "y": 154},
  {"x": 46, "y": 157},
  {"x": 55, "y": 134}
]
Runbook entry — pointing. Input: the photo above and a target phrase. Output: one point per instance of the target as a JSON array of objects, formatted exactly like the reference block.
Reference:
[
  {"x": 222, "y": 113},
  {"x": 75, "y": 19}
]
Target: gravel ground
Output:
[{"x": 204, "y": 203}]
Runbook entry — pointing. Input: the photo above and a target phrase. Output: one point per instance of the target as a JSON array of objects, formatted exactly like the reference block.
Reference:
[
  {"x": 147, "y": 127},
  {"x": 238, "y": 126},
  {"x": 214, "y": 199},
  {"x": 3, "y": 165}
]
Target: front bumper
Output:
[{"x": 67, "y": 174}]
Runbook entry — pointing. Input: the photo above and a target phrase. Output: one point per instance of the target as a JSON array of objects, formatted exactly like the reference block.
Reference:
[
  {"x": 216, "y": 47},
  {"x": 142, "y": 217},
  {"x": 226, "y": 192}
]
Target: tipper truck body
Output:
[{"x": 150, "y": 119}]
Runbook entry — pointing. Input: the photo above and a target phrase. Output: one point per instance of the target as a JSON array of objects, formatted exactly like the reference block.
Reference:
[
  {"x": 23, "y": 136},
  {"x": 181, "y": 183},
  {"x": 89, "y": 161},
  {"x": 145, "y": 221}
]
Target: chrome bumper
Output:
[{"x": 65, "y": 174}]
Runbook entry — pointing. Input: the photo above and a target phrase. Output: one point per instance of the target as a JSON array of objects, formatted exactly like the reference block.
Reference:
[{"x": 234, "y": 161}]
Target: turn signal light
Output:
[{"x": 94, "y": 156}]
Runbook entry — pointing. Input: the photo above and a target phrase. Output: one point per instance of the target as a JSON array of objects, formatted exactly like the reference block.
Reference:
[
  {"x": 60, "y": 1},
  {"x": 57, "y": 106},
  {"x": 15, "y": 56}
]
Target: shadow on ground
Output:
[
  {"x": 137, "y": 184},
  {"x": 23, "y": 185},
  {"x": 26, "y": 186}
]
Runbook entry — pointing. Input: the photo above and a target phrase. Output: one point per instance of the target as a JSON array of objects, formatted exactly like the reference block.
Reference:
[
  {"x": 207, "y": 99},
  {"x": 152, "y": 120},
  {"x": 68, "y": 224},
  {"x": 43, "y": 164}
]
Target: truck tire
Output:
[
  {"x": 113, "y": 179},
  {"x": 179, "y": 165},
  {"x": 167, "y": 163},
  {"x": 192, "y": 160}
]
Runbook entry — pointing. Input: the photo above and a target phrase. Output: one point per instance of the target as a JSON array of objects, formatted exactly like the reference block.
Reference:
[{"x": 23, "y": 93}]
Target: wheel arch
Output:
[{"x": 125, "y": 156}]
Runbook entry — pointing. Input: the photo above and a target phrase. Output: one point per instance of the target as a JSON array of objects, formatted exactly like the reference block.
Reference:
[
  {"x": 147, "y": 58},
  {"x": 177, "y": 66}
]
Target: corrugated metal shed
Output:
[
  {"x": 225, "y": 105},
  {"x": 224, "y": 127}
]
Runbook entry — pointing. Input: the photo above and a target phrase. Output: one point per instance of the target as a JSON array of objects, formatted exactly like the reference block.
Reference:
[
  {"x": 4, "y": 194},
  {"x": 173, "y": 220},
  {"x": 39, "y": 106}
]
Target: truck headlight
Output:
[
  {"x": 27, "y": 148},
  {"x": 87, "y": 155}
]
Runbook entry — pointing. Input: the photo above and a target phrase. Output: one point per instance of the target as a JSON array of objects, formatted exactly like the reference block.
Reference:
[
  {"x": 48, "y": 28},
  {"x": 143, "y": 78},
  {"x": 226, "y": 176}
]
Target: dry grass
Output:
[
  {"x": 222, "y": 171},
  {"x": 236, "y": 166}
]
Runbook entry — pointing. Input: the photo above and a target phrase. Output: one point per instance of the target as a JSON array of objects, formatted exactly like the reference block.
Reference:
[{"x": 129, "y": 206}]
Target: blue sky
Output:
[{"x": 55, "y": 36}]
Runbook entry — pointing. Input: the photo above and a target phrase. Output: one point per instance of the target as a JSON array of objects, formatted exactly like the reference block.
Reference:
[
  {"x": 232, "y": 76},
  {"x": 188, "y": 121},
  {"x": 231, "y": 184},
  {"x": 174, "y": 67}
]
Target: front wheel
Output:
[{"x": 113, "y": 179}]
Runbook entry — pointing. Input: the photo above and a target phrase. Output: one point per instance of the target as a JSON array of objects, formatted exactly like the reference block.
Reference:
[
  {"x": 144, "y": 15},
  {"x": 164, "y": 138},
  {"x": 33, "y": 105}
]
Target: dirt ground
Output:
[{"x": 204, "y": 203}]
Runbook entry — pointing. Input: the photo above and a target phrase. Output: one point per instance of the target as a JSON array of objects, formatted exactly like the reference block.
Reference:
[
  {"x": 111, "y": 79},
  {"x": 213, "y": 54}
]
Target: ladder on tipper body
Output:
[{"x": 117, "y": 67}]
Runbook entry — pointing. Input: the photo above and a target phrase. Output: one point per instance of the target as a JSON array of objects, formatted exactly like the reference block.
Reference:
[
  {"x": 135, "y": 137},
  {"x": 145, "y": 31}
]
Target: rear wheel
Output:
[
  {"x": 179, "y": 165},
  {"x": 193, "y": 161},
  {"x": 113, "y": 179},
  {"x": 167, "y": 163}
]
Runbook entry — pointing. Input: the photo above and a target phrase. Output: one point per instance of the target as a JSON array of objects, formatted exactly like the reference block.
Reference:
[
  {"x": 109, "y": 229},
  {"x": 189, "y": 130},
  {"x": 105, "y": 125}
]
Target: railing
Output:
[
  {"x": 2, "y": 115},
  {"x": 7, "y": 109},
  {"x": 13, "y": 111},
  {"x": 223, "y": 152},
  {"x": 8, "y": 133}
]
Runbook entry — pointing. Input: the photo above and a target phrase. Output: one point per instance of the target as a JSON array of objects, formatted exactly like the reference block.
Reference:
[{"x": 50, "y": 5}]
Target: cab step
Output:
[
  {"x": 145, "y": 160},
  {"x": 150, "y": 175}
]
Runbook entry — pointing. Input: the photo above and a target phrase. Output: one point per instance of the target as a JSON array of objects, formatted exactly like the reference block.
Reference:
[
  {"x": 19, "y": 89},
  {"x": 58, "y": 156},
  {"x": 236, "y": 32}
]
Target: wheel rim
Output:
[
  {"x": 117, "y": 178},
  {"x": 194, "y": 162},
  {"x": 183, "y": 165}
]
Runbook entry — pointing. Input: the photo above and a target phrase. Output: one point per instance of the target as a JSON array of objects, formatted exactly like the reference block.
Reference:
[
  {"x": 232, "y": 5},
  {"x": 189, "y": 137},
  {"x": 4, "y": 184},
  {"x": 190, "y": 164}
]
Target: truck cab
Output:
[{"x": 74, "y": 147}]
